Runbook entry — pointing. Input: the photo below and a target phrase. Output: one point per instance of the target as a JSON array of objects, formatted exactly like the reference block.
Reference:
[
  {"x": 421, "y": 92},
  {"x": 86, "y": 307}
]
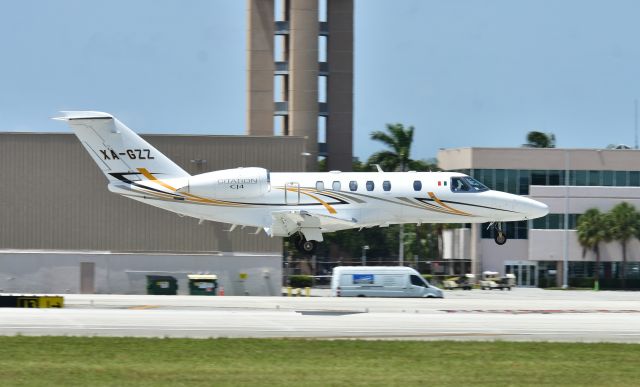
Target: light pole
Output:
[
  {"x": 364, "y": 255},
  {"x": 565, "y": 247},
  {"x": 401, "y": 226}
]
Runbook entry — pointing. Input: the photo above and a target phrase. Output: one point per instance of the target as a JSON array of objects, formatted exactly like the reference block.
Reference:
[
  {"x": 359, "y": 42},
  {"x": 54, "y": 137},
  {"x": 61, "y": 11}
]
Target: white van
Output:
[{"x": 380, "y": 281}]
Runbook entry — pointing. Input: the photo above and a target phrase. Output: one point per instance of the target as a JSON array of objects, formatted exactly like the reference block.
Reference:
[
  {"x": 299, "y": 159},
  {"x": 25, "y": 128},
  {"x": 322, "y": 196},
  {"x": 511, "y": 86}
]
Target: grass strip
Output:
[{"x": 103, "y": 361}]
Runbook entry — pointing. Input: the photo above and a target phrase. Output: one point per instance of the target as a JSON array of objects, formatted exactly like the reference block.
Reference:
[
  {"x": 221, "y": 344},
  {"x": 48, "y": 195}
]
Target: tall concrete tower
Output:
[{"x": 300, "y": 75}]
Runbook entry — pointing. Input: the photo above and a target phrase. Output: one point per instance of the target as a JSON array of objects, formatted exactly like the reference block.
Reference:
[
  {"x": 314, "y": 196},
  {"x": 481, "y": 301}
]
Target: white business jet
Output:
[{"x": 304, "y": 205}]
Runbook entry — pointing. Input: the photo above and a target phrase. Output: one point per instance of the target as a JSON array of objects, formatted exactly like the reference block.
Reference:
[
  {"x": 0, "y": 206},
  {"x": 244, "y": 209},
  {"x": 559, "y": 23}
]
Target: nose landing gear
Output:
[{"x": 500, "y": 236}]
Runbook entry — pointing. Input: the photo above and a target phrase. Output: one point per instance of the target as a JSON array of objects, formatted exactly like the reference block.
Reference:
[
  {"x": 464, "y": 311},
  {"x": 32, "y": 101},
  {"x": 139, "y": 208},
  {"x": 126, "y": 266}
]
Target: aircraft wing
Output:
[{"x": 311, "y": 225}]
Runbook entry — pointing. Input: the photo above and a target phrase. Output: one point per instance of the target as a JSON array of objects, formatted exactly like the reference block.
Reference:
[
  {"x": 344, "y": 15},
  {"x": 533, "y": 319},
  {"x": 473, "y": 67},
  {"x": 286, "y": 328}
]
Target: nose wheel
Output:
[{"x": 500, "y": 236}]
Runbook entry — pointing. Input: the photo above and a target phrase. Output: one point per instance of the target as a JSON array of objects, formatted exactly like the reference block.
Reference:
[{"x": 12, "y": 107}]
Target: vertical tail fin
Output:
[{"x": 117, "y": 149}]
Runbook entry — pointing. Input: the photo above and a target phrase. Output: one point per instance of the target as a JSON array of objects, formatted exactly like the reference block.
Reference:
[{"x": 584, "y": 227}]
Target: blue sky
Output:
[{"x": 464, "y": 73}]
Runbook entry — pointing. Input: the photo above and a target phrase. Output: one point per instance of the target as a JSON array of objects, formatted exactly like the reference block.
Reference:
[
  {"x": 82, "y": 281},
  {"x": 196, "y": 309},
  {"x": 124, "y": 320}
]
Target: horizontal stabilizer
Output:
[{"x": 82, "y": 115}]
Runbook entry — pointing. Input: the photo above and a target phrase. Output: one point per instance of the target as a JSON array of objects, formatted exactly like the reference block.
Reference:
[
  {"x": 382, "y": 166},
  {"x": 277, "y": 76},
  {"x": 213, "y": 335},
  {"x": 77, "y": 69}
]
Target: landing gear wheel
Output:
[
  {"x": 308, "y": 247},
  {"x": 500, "y": 238}
]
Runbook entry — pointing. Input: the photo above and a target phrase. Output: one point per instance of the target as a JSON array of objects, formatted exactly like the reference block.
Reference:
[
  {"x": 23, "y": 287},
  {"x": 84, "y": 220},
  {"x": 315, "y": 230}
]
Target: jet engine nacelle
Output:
[{"x": 229, "y": 183}]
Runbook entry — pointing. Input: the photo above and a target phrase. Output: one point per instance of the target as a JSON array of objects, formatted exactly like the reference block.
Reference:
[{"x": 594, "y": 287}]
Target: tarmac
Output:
[{"x": 519, "y": 315}]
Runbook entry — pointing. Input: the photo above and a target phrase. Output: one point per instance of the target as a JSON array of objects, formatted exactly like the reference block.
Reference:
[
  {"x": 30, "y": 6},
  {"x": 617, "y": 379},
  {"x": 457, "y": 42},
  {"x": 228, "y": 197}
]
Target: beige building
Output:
[
  {"x": 55, "y": 204},
  {"x": 55, "y": 197},
  {"x": 300, "y": 75},
  {"x": 569, "y": 181}
]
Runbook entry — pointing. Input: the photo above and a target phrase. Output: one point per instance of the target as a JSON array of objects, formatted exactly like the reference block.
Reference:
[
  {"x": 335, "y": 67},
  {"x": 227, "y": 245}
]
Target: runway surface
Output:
[{"x": 523, "y": 315}]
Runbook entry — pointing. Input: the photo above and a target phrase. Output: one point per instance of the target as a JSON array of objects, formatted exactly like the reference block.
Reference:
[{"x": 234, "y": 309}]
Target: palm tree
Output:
[
  {"x": 593, "y": 229},
  {"x": 537, "y": 139},
  {"x": 625, "y": 224},
  {"x": 396, "y": 158}
]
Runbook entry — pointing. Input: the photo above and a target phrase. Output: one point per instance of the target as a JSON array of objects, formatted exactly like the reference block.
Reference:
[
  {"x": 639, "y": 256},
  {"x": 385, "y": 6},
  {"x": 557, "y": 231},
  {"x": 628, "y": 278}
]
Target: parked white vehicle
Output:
[{"x": 380, "y": 281}]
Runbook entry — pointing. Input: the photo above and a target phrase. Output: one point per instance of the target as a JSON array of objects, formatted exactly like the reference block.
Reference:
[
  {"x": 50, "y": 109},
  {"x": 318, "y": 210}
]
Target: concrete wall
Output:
[
  {"x": 493, "y": 256},
  {"x": 59, "y": 272},
  {"x": 260, "y": 67},
  {"x": 547, "y": 245},
  {"x": 303, "y": 75},
  {"x": 583, "y": 198},
  {"x": 456, "y": 243},
  {"x": 340, "y": 85}
]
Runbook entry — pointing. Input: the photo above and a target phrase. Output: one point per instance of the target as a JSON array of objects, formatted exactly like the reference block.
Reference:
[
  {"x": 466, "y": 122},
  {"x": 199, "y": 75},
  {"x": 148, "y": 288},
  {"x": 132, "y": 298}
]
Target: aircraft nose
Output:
[{"x": 531, "y": 208}]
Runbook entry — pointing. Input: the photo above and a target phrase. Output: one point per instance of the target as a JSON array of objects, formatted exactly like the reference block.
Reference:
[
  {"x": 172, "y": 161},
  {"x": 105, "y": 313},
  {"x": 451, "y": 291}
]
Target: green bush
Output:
[
  {"x": 300, "y": 281},
  {"x": 617, "y": 284},
  {"x": 581, "y": 282}
]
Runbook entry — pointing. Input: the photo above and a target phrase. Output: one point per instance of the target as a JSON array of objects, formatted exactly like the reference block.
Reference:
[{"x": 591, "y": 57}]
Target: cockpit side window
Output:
[
  {"x": 459, "y": 185},
  {"x": 475, "y": 184},
  {"x": 467, "y": 184}
]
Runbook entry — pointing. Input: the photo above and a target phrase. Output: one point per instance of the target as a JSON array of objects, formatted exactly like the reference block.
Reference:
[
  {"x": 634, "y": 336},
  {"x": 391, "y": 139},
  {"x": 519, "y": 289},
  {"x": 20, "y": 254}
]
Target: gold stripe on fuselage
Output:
[
  {"x": 149, "y": 176},
  {"x": 303, "y": 191},
  {"x": 453, "y": 210}
]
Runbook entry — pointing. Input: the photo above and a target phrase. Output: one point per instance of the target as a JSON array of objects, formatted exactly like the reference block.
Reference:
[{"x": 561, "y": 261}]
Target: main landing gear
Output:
[
  {"x": 500, "y": 236},
  {"x": 303, "y": 245}
]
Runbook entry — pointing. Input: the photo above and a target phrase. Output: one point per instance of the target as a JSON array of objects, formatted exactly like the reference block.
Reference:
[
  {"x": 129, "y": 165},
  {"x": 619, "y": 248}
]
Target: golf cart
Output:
[
  {"x": 492, "y": 280},
  {"x": 463, "y": 282}
]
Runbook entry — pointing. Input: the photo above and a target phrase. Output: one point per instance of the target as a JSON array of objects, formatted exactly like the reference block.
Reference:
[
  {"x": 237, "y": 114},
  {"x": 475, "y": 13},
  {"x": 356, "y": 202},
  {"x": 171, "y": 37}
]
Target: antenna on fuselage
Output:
[{"x": 378, "y": 167}]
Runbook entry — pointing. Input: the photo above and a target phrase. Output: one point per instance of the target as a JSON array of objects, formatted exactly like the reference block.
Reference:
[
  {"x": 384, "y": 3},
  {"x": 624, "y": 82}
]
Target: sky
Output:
[{"x": 462, "y": 72}]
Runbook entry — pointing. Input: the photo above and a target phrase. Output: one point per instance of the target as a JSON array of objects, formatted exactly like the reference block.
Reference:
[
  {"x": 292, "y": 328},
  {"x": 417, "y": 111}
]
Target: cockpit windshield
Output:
[{"x": 467, "y": 184}]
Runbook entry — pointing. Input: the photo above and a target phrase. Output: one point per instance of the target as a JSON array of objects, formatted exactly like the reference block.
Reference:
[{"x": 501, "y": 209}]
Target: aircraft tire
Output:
[
  {"x": 308, "y": 247},
  {"x": 500, "y": 238}
]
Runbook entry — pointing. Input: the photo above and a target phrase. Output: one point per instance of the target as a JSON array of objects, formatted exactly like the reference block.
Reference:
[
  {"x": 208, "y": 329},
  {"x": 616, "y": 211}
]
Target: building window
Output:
[
  {"x": 518, "y": 181},
  {"x": 336, "y": 186},
  {"x": 539, "y": 223},
  {"x": 594, "y": 178},
  {"x": 523, "y": 182},
  {"x": 512, "y": 181},
  {"x": 500, "y": 177},
  {"x": 353, "y": 185},
  {"x": 555, "y": 178},
  {"x": 386, "y": 185},
  {"x": 555, "y": 222},
  {"x": 369, "y": 185},
  {"x": 320, "y": 185},
  {"x": 417, "y": 185},
  {"x": 538, "y": 177},
  {"x": 621, "y": 179}
]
